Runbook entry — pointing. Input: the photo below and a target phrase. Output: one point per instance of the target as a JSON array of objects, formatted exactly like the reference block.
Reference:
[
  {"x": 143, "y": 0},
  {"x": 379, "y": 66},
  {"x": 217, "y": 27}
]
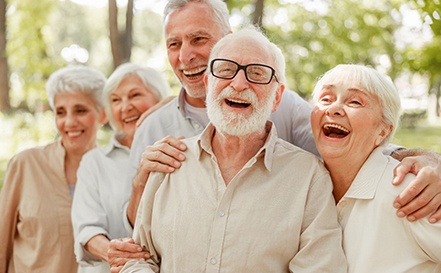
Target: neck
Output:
[
  {"x": 343, "y": 173},
  {"x": 125, "y": 140},
  {"x": 195, "y": 102},
  {"x": 233, "y": 152},
  {"x": 72, "y": 161}
]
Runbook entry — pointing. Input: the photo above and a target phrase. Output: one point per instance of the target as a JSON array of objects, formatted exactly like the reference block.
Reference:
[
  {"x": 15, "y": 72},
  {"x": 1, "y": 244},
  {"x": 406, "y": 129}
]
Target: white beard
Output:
[{"x": 238, "y": 124}]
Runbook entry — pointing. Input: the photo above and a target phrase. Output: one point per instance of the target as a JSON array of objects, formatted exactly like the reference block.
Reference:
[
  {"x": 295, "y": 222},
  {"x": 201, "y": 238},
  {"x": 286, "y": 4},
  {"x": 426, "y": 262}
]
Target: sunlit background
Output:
[{"x": 398, "y": 37}]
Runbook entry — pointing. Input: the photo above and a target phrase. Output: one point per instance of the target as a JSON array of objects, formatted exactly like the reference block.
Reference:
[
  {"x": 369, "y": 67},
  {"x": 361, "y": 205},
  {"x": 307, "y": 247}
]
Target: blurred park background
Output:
[{"x": 399, "y": 37}]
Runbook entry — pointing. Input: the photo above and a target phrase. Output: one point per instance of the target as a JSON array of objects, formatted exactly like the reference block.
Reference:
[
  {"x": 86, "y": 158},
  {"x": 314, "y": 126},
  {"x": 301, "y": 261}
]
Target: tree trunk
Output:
[
  {"x": 120, "y": 41},
  {"x": 258, "y": 13},
  {"x": 5, "y": 105},
  {"x": 114, "y": 34},
  {"x": 127, "y": 42}
]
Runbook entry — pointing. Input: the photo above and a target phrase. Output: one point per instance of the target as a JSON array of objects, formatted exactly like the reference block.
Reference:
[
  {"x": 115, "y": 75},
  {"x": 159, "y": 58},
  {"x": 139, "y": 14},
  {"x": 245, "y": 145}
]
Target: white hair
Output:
[
  {"x": 76, "y": 79},
  {"x": 219, "y": 8},
  {"x": 151, "y": 78},
  {"x": 372, "y": 82}
]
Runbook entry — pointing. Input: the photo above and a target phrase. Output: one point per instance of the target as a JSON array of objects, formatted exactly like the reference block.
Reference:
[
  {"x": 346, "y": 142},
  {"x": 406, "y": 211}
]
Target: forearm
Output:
[
  {"x": 98, "y": 246},
  {"x": 132, "y": 208},
  {"x": 402, "y": 153}
]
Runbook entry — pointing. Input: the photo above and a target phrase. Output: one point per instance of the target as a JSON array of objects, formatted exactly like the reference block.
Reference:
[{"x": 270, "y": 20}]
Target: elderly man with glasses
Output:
[{"x": 234, "y": 206}]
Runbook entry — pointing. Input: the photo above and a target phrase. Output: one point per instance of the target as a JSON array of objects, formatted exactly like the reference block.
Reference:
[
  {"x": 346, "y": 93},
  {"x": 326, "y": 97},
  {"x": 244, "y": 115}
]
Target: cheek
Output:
[
  {"x": 59, "y": 123},
  {"x": 173, "y": 58},
  {"x": 116, "y": 113},
  {"x": 144, "y": 104},
  {"x": 316, "y": 115},
  {"x": 92, "y": 120}
]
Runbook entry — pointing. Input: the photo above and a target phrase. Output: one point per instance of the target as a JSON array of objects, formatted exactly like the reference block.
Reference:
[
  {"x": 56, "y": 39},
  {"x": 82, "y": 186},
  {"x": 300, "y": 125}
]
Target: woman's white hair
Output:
[
  {"x": 372, "y": 82},
  {"x": 254, "y": 34},
  {"x": 219, "y": 8},
  {"x": 76, "y": 79},
  {"x": 151, "y": 78}
]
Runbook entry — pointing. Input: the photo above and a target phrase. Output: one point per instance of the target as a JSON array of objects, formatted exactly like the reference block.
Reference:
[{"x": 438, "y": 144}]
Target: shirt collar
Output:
[
  {"x": 267, "y": 150},
  {"x": 114, "y": 144},
  {"x": 181, "y": 102},
  {"x": 366, "y": 182}
]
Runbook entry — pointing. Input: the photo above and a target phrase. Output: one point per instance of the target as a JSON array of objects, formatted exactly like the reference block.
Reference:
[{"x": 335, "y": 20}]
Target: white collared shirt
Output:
[{"x": 375, "y": 239}]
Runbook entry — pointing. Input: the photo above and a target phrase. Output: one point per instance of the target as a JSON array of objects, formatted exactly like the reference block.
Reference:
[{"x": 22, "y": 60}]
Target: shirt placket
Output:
[{"x": 220, "y": 221}]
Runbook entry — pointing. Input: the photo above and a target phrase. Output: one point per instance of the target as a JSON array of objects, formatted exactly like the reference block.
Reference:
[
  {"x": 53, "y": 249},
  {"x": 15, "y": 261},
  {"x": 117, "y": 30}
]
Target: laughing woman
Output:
[
  {"x": 356, "y": 113},
  {"x": 97, "y": 212},
  {"x": 35, "y": 202}
]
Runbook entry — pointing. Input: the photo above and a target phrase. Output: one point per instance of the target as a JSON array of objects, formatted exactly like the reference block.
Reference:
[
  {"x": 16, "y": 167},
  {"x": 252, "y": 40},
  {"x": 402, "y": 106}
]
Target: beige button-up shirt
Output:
[
  {"x": 36, "y": 231},
  {"x": 276, "y": 215}
]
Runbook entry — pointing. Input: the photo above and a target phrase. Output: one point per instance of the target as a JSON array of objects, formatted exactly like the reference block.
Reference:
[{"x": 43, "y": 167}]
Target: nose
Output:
[
  {"x": 186, "y": 53},
  {"x": 335, "y": 109},
  {"x": 126, "y": 105},
  {"x": 240, "y": 82},
  {"x": 71, "y": 119}
]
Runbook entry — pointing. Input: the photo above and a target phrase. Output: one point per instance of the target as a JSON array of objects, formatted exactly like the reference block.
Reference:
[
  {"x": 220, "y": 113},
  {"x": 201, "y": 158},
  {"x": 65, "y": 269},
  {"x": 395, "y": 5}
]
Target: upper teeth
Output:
[
  {"x": 237, "y": 101},
  {"x": 326, "y": 126},
  {"x": 73, "y": 133},
  {"x": 195, "y": 71},
  {"x": 131, "y": 119}
]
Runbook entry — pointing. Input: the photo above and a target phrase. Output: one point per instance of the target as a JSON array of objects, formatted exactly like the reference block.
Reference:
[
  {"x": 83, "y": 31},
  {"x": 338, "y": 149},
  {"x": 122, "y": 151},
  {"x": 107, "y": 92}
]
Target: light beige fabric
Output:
[
  {"x": 276, "y": 215},
  {"x": 36, "y": 231},
  {"x": 375, "y": 239}
]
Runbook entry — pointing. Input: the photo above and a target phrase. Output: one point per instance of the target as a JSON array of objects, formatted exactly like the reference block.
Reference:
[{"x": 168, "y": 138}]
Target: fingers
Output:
[
  {"x": 422, "y": 197},
  {"x": 115, "y": 269},
  {"x": 165, "y": 155},
  {"x": 432, "y": 206},
  {"x": 406, "y": 166},
  {"x": 124, "y": 244},
  {"x": 122, "y": 250},
  {"x": 436, "y": 216}
]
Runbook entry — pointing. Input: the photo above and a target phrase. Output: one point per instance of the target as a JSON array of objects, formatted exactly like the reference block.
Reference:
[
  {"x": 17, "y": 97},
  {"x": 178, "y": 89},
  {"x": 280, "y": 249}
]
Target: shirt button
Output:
[
  {"x": 213, "y": 261},
  {"x": 221, "y": 213},
  {"x": 197, "y": 126}
]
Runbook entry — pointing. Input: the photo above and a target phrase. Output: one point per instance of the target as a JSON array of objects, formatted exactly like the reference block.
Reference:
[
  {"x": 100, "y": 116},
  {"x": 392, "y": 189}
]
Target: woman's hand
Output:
[{"x": 123, "y": 250}]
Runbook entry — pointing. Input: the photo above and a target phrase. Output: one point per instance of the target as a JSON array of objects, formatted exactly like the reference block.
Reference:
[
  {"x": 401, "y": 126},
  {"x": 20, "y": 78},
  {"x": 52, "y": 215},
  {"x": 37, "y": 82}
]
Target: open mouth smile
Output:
[
  {"x": 128, "y": 120},
  {"x": 195, "y": 73},
  {"x": 236, "y": 103},
  {"x": 335, "y": 131}
]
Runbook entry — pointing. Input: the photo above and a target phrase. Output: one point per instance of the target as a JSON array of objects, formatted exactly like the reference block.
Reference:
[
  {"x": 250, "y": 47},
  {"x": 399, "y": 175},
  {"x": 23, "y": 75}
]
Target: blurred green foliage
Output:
[{"x": 314, "y": 36}]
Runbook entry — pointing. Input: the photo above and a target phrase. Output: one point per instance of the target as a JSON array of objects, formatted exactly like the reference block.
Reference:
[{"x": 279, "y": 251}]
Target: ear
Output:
[
  {"x": 384, "y": 132},
  {"x": 103, "y": 117},
  {"x": 278, "y": 99},
  {"x": 206, "y": 82}
]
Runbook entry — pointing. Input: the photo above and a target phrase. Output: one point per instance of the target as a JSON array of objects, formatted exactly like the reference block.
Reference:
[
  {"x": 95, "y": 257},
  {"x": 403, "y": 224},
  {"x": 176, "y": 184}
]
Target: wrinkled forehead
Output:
[{"x": 245, "y": 51}]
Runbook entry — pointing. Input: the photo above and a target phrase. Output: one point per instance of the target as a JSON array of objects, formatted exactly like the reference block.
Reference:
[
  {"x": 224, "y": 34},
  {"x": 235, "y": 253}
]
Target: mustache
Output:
[{"x": 246, "y": 95}]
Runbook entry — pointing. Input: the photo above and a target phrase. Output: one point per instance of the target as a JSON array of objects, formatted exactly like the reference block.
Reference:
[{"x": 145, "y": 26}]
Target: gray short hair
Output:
[
  {"x": 374, "y": 83},
  {"x": 76, "y": 79},
  {"x": 253, "y": 33},
  {"x": 219, "y": 7},
  {"x": 151, "y": 78}
]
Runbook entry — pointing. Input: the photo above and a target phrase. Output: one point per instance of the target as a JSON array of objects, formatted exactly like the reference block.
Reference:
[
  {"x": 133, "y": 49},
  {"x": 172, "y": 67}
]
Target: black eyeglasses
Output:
[{"x": 254, "y": 73}]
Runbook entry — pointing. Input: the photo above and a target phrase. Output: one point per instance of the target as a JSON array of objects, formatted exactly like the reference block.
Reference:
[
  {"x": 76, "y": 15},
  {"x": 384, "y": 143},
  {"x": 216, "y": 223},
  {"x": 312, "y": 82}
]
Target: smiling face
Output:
[
  {"x": 190, "y": 34},
  {"x": 127, "y": 102},
  {"x": 77, "y": 119},
  {"x": 347, "y": 121},
  {"x": 237, "y": 106}
]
